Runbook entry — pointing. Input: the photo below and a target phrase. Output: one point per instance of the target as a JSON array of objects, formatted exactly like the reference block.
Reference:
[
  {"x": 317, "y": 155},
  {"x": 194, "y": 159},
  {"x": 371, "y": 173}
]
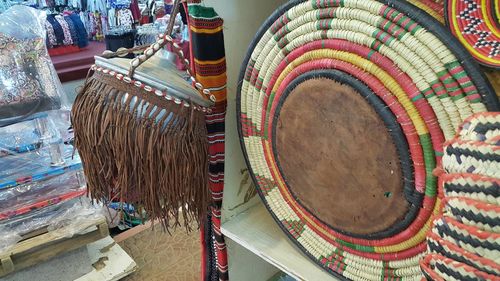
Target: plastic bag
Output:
[
  {"x": 64, "y": 220},
  {"x": 28, "y": 81},
  {"x": 35, "y": 150},
  {"x": 31, "y": 196}
]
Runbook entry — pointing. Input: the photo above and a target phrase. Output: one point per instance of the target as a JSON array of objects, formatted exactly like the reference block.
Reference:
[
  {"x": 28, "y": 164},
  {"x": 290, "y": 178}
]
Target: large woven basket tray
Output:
[{"x": 343, "y": 108}]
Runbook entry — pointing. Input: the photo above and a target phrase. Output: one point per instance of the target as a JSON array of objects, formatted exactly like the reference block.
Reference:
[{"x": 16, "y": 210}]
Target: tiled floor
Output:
[{"x": 164, "y": 257}]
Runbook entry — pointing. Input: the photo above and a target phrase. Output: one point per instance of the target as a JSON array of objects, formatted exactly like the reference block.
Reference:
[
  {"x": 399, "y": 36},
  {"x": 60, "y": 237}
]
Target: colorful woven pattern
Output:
[
  {"x": 411, "y": 65},
  {"x": 435, "y": 8},
  {"x": 476, "y": 23},
  {"x": 465, "y": 240},
  {"x": 209, "y": 64}
]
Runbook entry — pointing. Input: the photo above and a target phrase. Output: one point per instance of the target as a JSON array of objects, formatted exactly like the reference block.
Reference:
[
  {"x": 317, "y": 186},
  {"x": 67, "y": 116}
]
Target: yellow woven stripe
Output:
[
  {"x": 367, "y": 66},
  {"x": 487, "y": 18},
  {"x": 391, "y": 84},
  {"x": 415, "y": 240},
  {"x": 430, "y": 11},
  {"x": 206, "y": 31},
  {"x": 497, "y": 10},
  {"x": 209, "y": 61},
  {"x": 458, "y": 34}
]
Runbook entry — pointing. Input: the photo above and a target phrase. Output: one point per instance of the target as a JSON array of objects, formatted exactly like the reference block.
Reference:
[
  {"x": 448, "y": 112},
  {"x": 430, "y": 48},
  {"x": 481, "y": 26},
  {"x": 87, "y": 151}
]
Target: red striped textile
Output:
[{"x": 209, "y": 65}]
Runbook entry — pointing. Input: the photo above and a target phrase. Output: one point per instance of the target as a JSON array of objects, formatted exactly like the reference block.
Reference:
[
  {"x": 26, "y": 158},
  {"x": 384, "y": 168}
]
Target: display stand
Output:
[{"x": 256, "y": 231}]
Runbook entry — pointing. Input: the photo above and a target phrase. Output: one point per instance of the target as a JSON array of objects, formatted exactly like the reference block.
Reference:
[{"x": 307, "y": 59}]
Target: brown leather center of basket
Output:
[{"x": 338, "y": 158}]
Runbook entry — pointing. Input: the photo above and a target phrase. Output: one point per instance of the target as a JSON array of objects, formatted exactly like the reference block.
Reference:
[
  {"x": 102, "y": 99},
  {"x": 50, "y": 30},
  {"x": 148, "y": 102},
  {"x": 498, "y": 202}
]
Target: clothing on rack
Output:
[
  {"x": 97, "y": 6},
  {"x": 51, "y": 37},
  {"x": 58, "y": 31},
  {"x": 81, "y": 32},
  {"x": 67, "y": 33},
  {"x": 72, "y": 30},
  {"x": 134, "y": 8},
  {"x": 125, "y": 18},
  {"x": 66, "y": 29}
]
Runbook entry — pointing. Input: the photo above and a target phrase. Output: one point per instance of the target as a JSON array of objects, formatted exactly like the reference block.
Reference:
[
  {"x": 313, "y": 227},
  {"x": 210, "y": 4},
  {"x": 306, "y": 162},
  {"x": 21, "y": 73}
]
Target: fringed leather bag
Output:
[{"x": 140, "y": 131}]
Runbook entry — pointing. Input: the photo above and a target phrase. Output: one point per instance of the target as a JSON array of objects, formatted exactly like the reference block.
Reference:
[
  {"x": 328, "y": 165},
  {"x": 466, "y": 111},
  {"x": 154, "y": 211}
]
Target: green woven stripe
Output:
[
  {"x": 457, "y": 97},
  {"x": 296, "y": 228},
  {"x": 452, "y": 64},
  {"x": 266, "y": 185},
  {"x": 418, "y": 97},
  {"x": 268, "y": 112},
  {"x": 357, "y": 247},
  {"x": 461, "y": 74},
  {"x": 370, "y": 54},
  {"x": 430, "y": 164},
  {"x": 438, "y": 88}
]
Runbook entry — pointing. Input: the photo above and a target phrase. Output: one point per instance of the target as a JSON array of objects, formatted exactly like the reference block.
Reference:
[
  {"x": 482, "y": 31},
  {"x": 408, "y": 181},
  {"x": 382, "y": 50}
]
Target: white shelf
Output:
[{"x": 256, "y": 231}]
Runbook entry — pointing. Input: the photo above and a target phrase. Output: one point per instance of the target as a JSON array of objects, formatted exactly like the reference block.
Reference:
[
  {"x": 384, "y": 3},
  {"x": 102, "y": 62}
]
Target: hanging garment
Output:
[
  {"x": 67, "y": 33},
  {"x": 58, "y": 31},
  {"x": 99, "y": 35},
  {"x": 112, "y": 21},
  {"x": 125, "y": 18},
  {"x": 104, "y": 24},
  {"x": 82, "y": 18},
  {"x": 97, "y": 6},
  {"x": 77, "y": 4},
  {"x": 72, "y": 29},
  {"x": 134, "y": 8},
  {"x": 92, "y": 27},
  {"x": 51, "y": 37},
  {"x": 80, "y": 30}
]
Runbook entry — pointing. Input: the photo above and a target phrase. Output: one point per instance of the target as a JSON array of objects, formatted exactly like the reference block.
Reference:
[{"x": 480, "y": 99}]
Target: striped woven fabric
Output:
[
  {"x": 209, "y": 63},
  {"x": 472, "y": 186},
  {"x": 470, "y": 238},
  {"x": 438, "y": 245},
  {"x": 474, "y": 213},
  {"x": 411, "y": 64},
  {"x": 465, "y": 240},
  {"x": 439, "y": 268}
]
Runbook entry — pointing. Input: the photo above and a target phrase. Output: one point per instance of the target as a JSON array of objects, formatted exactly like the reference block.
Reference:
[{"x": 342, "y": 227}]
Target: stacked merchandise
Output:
[
  {"x": 41, "y": 180},
  {"x": 65, "y": 33},
  {"x": 465, "y": 240}
]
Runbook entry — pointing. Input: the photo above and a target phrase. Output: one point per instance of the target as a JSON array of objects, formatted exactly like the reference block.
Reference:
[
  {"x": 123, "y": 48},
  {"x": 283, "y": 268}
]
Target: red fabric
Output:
[
  {"x": 63, "y": 50},
  {"x": 134, "y": 8}
]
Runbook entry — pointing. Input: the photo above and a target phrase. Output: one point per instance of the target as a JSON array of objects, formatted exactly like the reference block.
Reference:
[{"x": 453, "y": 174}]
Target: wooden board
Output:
[
  {"x": 256, "y": 231},
  {"x": 48, "y": 245},
  {"x": 110, "y": 262}
]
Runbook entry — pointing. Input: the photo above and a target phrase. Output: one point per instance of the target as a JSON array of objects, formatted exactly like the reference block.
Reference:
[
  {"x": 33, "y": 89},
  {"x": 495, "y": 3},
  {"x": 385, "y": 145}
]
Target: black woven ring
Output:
[{"x": 414, "y": 198}]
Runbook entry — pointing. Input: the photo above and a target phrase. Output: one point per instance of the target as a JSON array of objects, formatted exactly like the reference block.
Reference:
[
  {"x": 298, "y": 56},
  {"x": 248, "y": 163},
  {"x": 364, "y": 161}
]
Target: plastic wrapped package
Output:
[
  {"x": 28, "y": 81},
  {"x": 64, "y": 220},
  {"x": 35, "y": 150},
  {"x": 36, "y": 195},
  {"x": 37, "y": 168}
]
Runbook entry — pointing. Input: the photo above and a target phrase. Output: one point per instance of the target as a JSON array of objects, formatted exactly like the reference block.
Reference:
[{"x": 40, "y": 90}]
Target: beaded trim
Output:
[
  {"x": 151, "y": 50},
  {"x": 148, "y": 88}
]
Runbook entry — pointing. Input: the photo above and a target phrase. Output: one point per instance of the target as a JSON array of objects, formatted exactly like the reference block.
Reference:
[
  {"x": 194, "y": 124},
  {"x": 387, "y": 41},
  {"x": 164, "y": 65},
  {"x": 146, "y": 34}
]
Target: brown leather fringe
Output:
[{"x": 159, "y": 165}]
